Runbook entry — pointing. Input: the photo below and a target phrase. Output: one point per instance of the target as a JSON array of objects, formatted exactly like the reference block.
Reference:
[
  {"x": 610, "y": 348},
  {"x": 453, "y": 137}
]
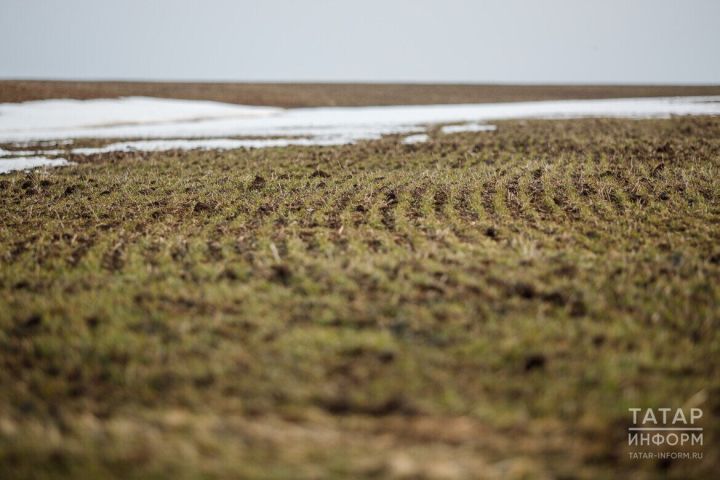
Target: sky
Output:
[{"x": 495, "y": 41}]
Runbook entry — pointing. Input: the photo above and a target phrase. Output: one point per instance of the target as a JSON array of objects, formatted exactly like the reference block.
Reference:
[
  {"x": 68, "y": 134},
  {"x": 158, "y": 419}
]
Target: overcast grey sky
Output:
[{"x": 559, "y": 41}]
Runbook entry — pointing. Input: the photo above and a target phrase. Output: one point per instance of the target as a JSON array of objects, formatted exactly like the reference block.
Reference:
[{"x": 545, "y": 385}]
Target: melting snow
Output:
[
  {"x": 417, "y": 138},
  {"x": 146, "y": 118},
  {"x": 24, "y": 163},
  {"x": 163, "y": 124},
  {"x": 48, "y": 116},
  {"x": 468, "y": 127},
  {"x": 203, "y": 144}
]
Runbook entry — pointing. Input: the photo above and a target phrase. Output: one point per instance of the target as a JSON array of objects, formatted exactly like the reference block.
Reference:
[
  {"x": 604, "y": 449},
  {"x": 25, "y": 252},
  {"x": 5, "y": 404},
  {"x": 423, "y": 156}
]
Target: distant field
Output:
[
  {"x": 484, "y": 305},
  {"x": 317, "y": 94}
]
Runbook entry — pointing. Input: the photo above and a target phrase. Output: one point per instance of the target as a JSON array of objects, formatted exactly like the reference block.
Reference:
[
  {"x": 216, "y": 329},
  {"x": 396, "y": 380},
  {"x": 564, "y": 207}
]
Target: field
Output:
[
  {"x": 485, "y": 305},
  {"x": 335, "y": 94}
]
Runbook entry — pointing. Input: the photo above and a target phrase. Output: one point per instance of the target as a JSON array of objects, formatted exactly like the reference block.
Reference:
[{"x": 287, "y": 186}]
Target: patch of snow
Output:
[
  {"x": 163, "y": 124},
  {"x": 205, "y": 144},
  {"x": 159, "y": 118},
  {"x": 25, "y": 163},
  {"x": 417, "y": 138},
  {"x": 468, "y": 127},
  {"x": 59, "y": 116}
]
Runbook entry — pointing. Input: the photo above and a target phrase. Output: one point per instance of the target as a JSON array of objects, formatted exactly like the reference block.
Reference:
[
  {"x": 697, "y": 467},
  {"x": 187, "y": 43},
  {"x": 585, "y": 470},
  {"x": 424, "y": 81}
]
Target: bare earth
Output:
[{"x": 320, "y": 94}]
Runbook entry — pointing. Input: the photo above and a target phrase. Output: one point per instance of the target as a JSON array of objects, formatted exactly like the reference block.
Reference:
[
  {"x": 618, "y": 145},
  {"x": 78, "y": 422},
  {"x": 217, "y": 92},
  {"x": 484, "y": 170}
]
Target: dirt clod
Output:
[
  {"x": 535, "y": 362},
  {"x": 258, "y": 183}
]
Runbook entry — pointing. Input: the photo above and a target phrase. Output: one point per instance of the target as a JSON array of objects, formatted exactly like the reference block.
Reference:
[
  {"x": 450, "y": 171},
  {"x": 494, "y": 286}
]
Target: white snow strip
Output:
[
  {"x": 164, "y": 124},
  {"x": 205, "y": 144},
  {"x": 25, "y": 163},
  {"x": 468, "y": 127},
  {"x": 147, "y": 118},
  {"x": 62, "y": 115},
  {"x": 417, "y": 138}
]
